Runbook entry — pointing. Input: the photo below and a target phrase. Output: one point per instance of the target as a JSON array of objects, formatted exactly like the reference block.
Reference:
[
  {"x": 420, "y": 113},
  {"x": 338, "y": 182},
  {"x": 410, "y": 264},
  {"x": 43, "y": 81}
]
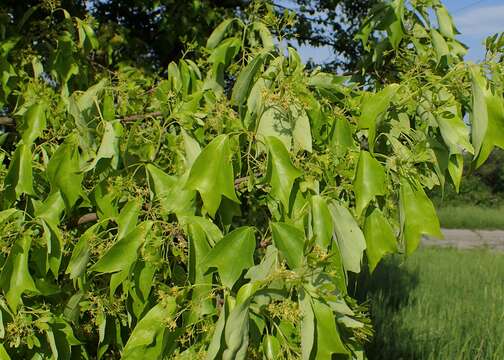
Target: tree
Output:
[
  {"x": 153, "y": 33},
  {"x": 219, "y": 210}
]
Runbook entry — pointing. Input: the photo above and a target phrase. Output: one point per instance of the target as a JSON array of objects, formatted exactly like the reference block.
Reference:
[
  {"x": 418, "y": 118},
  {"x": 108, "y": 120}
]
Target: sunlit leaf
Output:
[
  {"x": 290, "y": 241},
  {"x": 124, "y": 252},
  {"x": 380, "y": 238},
  {"x": 418, "y": 216},
  {"x": 243, "y": 82},
  {"x": 374, "y": 105},
  {"x": 64, "y": 173},
  {"x": 212, "y": 174},
  {"x": 369, "y": 181},
  {"x": 328, "y": 338},
  {"x": 232, "y": 254},
  {"x": 148, "y": 339},
  {"x": 281, "y": 171},
  {"x": 349, "y": 237},
  {"x": 34, "y": 122},
  {"x": 15, "y": 277}
]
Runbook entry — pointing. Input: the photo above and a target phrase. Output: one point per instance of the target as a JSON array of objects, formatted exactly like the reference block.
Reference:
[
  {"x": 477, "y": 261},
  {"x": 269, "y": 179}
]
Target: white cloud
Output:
[{"x": 482, "y": 21}]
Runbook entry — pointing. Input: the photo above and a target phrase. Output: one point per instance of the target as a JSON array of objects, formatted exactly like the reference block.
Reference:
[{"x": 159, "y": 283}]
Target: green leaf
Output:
[
  {"x": 83, "y": 108},
  {"x": 244, "y": 80},
  {"x": 109, "y": 147},
  {"x": 124, "y": 252},
  {"x": 201, "y": 233},
  {"x": 321, "y": 222},
  {"x": 3, "y": 353},
  {"x": 372, "y": 106},
  {"x": 454, "y": 132},
  {"x": 51, "y": 208},
  {"x": 54, "y": 246},
  {"x": 268, "y": 264},
  {"x": 232, "y": 254},
  {"x": 19, "y": 178},
  {"x": 302, "y": 132},
  {"x": 6, "y": 214},
  {"x": 274, "y": 123},
  {"x": 15, "y": 278},
  {"x": 80, "y": 254},
  {"x": 218, "y": 34},
  {"x": 307, "y": 326},
  {"x": 418, "y": 216},
  {"x": 128, "y": 218},
  {"x": 487, "y": 118},
  {"x": 220, "y": 59},
  {"x": 265, "y": 35},
  {"x": 212, "y": 174},
  {"x": 479, "y": 116},
  {"x": 369, "y": 181},
  {"x": 192, "y": 148},
  {"x": 380, "y": 238},
  {"x": 148, "y": 339},
  {"x": 64, "y": 173},
  {"x": 445, "y": 22},
  {"x": 271, "y": 347},
  {"x": 34, "y": 122},
  {"x": 455, "y": 169},
  {"x": 342, "y": 138},
  {"x": 281, "y": 172},
  {"x": 171, "y": 192},
  {"x": 349, "y": 237},
  {"x": 395, "y": 29},
  {"x": 290, "y": 241},
  {"x": 217, "y": 344},
  {"x": 440, "y": 45},
  {"x": 328, "y": 338},
  {"x": 236, "y": 332}
]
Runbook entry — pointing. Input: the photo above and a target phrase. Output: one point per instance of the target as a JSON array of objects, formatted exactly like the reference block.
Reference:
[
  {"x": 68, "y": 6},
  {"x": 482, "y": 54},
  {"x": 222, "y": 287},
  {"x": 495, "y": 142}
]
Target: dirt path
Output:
[{"x": 469, "y": 239}]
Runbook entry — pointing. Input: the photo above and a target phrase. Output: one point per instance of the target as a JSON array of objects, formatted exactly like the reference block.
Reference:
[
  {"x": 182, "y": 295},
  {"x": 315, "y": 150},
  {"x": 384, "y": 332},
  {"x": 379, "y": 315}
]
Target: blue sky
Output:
[{"x": 475, "y": 19}]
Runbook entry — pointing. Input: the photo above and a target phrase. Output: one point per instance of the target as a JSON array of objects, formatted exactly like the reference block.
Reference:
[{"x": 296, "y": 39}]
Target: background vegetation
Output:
[{"x": 438, "y": 304}]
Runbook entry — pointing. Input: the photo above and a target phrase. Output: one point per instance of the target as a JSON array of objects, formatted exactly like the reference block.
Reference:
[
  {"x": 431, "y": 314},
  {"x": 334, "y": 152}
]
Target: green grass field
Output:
[
  {"x": 439, "y": 304},
  {"x": 471, "y": 217}
]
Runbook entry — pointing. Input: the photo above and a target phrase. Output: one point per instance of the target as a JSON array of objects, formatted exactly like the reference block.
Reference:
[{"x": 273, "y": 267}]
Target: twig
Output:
[
  {"x": 87, "y": 218},
  {"x": 140, "y": 116},
  {"x": 7, "y": 121}
]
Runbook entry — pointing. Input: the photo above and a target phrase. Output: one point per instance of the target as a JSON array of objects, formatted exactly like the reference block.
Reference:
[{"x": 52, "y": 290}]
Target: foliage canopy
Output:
[{"x": 221, "y": 211}]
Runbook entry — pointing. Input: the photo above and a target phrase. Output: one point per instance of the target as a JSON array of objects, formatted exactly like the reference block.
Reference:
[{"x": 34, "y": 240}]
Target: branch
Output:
[
  {"x": 135, "y": 117},
  {"x": 7, "y": 121},
  {"x": 87, "y": 218}
]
